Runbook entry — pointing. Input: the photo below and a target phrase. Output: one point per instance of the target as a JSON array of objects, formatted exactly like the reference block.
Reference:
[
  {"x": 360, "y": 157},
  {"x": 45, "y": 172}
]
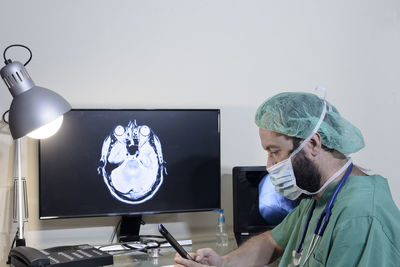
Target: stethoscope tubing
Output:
[{"x": 326, "y": 213}]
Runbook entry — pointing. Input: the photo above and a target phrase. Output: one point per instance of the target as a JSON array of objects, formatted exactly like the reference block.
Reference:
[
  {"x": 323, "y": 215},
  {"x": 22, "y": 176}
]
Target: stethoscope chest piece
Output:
[{"x": 296, "y": 258}]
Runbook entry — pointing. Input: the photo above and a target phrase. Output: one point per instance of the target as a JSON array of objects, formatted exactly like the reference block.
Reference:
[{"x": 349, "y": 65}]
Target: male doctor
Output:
[{"x": 346, "y": 217}]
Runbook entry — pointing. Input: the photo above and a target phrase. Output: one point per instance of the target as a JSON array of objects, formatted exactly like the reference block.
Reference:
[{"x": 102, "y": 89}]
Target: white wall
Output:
[{"x": 203, "y": 54}]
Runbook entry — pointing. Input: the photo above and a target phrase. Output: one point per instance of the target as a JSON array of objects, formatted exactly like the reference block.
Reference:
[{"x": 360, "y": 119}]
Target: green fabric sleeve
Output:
[{"x": 282, "y": 232}]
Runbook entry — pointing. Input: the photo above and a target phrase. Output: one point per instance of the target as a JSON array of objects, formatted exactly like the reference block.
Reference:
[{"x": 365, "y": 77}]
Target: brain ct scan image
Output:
[{"x": 132, "y": 163}]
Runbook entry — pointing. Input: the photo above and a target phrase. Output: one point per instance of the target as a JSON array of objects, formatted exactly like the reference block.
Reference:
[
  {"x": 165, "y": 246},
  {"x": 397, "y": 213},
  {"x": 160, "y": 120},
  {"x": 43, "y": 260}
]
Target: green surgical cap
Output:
[{"x": 296, "y": 114}]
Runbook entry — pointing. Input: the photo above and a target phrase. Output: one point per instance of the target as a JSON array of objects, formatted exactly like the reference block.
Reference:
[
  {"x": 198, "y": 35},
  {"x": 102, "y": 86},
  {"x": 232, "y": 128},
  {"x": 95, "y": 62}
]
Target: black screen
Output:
[
  {"x": 246, "y": 215},
  {"x": 127, "y": 162}
]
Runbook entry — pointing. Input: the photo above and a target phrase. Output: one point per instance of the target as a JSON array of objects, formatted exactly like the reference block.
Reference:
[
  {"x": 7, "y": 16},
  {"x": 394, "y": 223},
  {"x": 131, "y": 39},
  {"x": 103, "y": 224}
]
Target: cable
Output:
[
  {"x": 125, "y": 246},
  {"x": 20, "y": 45},
  {"x": 12, "y": 246},
  {"x": 115, "y": 230},
  {"x": 4, "y": 116},
  {"x": 145, "y": 243},
  {"x": 15, "y": 238}
]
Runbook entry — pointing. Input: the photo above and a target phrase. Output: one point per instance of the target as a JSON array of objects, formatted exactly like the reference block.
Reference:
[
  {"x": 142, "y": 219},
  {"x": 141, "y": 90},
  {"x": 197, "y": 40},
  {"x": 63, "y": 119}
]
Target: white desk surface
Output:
[{"x": 166, "y": 257}]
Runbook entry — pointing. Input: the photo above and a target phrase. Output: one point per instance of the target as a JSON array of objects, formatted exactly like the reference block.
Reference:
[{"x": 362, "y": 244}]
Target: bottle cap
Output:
[{"x": 221, "y": 217}]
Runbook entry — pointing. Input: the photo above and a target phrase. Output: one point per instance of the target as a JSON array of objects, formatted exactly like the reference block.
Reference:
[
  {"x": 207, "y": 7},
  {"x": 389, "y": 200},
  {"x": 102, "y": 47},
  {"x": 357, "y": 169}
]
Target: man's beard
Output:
[{"x": 307, "y": 175}]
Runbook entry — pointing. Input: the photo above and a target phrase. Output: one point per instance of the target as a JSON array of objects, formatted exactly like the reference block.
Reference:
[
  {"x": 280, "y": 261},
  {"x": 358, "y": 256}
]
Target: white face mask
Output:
[{"x": 282, "y": 174}]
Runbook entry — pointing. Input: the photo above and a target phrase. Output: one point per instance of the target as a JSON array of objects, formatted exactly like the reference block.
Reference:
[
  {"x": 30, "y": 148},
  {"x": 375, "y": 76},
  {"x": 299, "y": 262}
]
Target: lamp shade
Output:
[{"x": 32, "y": 107}]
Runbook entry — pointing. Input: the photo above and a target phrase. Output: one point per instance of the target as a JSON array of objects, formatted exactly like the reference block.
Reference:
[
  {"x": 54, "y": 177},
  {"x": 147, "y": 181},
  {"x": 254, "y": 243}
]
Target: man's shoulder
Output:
[
  {"x": 364, "y": 186},
  {"x": 366, "y": 196},
  {"x": 366, "y": 207}
]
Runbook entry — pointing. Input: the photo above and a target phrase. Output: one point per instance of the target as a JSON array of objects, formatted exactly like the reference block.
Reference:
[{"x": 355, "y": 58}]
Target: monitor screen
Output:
[
  {"x": 130, "y": 162},
  {"x": 247, "y": 217},
  {"x": 257, "y": 207}
]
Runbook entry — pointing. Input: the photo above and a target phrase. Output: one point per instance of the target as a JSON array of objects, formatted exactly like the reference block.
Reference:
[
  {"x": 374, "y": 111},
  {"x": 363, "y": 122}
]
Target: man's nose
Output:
[{"x": 270, "y": 161}]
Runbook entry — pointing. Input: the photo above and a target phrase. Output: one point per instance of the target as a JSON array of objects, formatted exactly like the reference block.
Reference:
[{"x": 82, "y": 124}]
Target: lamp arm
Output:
[{"x": 20, "y": 217}]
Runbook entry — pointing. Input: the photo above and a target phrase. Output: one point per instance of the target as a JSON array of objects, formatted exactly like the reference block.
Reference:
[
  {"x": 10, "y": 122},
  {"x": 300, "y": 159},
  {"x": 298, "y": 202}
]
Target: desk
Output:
[{"x": 167, "y": 254}]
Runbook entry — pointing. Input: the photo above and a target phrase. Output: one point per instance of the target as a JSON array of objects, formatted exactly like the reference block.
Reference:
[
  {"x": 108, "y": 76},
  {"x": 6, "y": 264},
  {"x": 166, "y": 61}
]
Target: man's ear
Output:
[{"x": 315, "y": 144}]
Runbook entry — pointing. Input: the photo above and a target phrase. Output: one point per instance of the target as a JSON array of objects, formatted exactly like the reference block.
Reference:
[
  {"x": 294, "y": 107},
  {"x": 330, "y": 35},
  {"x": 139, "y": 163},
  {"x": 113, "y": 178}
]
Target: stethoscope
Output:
[{"x": 321, "y": 224}]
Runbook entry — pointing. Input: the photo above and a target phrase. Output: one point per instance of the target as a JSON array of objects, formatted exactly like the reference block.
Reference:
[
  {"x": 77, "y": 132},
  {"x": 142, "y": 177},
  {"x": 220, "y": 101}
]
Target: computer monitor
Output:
[
  {"x": 257, "y": 207},
  {"x": 107, "y": 162},
  {"x": 247, "y": 220}
]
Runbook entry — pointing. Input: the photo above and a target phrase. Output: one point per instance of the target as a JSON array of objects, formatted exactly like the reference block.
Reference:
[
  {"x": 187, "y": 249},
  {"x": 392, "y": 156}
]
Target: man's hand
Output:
[
  {"x": 203, "y": 257},
  {"x": 257, "y": 251}
]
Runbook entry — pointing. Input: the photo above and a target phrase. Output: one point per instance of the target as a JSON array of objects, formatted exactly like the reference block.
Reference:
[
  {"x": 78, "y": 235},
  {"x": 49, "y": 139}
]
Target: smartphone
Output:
[{"x": 174, "y": 243}]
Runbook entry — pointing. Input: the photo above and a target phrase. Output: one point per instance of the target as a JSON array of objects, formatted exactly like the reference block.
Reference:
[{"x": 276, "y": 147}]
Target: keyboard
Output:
[{"x": 77, "y": 256}]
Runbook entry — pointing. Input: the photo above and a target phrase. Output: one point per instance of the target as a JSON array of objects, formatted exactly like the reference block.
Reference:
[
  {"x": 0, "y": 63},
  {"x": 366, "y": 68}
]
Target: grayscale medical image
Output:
[{"x": 132, "y": 163}]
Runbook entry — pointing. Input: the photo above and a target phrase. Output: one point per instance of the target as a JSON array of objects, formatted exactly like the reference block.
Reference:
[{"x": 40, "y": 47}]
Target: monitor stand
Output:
[{"x": 129, "y": 228}]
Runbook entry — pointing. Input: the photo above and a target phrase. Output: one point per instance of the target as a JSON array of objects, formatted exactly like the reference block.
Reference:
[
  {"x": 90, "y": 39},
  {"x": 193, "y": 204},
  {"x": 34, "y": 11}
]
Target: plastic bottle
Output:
[{"x": 221, "y": 234}]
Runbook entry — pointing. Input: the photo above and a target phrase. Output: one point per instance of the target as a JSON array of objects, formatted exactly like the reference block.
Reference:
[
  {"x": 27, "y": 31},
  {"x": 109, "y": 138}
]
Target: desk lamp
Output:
[{"x": 36, "y": 112}]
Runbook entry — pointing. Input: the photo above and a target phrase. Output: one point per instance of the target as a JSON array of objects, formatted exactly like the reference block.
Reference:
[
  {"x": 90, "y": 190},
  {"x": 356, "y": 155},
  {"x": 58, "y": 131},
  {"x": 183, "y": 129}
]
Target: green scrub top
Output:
[{"x": 363, "y": 230}]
